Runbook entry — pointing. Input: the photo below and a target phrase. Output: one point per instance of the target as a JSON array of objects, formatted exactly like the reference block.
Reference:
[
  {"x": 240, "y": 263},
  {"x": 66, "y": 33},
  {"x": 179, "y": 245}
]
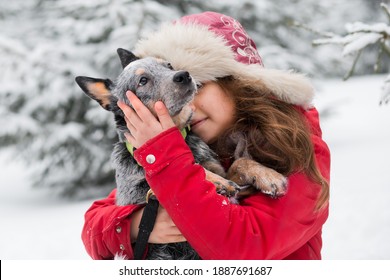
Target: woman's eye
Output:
[
  {"x": 199, "y": 86},
  {"x": 143, "y": 81}
]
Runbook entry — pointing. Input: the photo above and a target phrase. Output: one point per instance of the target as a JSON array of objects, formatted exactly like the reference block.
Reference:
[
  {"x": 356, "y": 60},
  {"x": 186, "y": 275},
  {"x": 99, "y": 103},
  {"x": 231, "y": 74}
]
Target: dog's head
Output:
[{"x": 152, "y": 80}]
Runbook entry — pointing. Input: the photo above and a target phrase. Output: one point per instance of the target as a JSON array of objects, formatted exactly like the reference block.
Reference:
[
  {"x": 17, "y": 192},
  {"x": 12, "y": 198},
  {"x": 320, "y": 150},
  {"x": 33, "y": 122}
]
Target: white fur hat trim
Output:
[{"x": 194, "y": 48}]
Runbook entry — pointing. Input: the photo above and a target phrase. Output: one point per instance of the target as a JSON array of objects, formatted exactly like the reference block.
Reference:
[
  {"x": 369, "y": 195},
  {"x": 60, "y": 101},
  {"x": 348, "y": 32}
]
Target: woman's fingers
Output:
[
  {"x": 165, "y": 231},
  {"x": 143, "y": 113},
  {"x": 163, "y": 115},
  {"x": 130, "y": 125},
  {"x": 130, "y": 114},
  {"x": 141, "y": 122}
]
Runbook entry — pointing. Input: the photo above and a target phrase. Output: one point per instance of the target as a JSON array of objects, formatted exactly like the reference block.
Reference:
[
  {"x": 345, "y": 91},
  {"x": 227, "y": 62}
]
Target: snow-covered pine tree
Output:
[
  {"x": 45, "y": 117},
  {"x": 361, "y": 36},
  {"x": 284, "y": 46},
  {"x": 66, "y": 138}
]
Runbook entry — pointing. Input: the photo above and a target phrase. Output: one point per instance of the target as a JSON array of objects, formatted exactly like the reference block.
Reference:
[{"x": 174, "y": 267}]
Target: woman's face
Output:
[{"x": 214, "y": 112}]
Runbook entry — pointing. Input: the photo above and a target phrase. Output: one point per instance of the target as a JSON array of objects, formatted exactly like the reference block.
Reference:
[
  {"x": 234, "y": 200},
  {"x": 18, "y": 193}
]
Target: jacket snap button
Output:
[
  {"x": 150, "y": 159},
  {"x": 122, "y": 247},
  {"x": 118, "y": 229}
]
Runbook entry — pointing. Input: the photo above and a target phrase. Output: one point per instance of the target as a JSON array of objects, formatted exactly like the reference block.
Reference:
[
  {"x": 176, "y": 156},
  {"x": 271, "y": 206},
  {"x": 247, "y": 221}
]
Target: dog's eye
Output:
[
  {"x": 170, "y": 66},
  {"x": 143, "y": 81}
]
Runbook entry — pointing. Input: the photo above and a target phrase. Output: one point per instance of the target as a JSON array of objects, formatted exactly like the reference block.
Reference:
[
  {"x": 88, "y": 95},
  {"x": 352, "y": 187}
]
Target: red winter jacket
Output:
[{"x": 259, "y": 228}]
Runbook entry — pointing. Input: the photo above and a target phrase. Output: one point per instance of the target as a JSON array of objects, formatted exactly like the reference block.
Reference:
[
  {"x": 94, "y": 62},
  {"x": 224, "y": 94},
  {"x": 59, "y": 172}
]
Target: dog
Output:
[{"x": 153, "y": 79}]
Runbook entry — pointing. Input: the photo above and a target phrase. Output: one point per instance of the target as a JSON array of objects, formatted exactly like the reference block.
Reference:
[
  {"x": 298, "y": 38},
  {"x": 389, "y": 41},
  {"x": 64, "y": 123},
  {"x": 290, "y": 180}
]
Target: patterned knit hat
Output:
[
  {"x": 212, "y": 45},
  {"x": 231, "y": 30}
]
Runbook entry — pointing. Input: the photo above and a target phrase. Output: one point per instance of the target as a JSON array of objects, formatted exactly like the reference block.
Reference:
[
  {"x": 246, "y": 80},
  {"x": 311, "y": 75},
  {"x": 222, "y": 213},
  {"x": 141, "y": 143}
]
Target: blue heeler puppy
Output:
[{"x": 152, "y": 80}]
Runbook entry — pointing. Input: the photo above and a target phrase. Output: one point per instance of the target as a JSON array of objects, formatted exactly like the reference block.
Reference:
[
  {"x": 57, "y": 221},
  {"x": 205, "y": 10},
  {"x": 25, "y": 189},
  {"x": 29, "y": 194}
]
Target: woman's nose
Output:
[{"x": 192, "y": 106}]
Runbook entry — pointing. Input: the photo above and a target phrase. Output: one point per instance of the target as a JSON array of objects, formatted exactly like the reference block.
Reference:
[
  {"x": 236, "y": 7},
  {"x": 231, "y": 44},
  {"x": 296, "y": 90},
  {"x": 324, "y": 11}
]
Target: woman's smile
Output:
[{"x": 197, "y": 123}]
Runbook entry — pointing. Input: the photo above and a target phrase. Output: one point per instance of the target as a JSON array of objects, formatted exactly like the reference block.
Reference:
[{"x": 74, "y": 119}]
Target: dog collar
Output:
[{"x": 184, "y": 132}]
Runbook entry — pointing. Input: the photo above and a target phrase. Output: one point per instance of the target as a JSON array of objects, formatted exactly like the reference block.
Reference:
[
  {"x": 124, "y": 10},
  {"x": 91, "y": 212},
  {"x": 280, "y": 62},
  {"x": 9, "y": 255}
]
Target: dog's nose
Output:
[{"x": 182, "y": 77}]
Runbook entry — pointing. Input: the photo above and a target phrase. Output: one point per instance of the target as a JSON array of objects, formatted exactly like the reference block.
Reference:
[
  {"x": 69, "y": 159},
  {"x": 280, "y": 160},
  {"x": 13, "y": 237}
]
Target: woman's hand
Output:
[
  {"x": 164, "y": 231},
  {"x": 142, "y": 124}
]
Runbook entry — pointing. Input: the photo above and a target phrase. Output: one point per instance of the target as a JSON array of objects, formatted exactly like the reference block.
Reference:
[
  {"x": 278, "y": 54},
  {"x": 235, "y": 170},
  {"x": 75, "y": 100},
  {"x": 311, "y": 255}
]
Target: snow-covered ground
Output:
[
  {"x": 37, "y": 225},
  {"x": 34, "y": 223},
  {"x": 358, "y": 134}
]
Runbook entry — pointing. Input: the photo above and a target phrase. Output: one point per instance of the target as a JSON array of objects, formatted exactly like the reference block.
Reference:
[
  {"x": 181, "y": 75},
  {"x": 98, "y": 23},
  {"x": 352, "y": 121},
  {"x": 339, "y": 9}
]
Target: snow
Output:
[
  {"x": 358, "y": 133},
  {"x": 35, "y": 224},
  {"x": 352, "y": 42},
  {"x": 360, "y": 35},
  {"x": 368, "y": 28},
  {"x": 362, "y": 41}
]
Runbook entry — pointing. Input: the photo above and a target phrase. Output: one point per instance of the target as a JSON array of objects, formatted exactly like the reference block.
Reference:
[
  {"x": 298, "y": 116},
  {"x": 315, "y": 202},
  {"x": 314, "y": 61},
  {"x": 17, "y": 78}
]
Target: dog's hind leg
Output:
[{"x": 246, "y": 172}]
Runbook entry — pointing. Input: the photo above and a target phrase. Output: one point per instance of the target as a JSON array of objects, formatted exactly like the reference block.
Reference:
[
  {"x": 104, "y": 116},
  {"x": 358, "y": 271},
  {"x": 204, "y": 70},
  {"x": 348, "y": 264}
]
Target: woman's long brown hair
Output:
[{"x": 277, "y": 134}]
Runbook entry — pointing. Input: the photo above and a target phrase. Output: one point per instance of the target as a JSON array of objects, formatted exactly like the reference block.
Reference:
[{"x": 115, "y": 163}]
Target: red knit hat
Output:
[
  {"x": 211, "y": 46},
  {"x": 231, "y": 30}
]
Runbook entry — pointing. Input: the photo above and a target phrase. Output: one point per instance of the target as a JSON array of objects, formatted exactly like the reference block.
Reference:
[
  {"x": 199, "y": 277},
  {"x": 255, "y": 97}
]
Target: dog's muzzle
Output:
[{"x": 182, "y": 77}]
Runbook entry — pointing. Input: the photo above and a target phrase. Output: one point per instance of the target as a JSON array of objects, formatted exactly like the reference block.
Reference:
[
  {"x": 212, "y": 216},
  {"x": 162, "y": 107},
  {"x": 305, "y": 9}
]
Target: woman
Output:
[{"x": 271, "y": 109}]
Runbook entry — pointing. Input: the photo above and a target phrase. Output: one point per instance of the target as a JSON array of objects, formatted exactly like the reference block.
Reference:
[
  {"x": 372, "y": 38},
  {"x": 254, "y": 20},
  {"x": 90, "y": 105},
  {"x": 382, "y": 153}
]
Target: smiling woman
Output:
[
  {"x": 264, "y": 114},
  {"x": 214, "y": 112}
]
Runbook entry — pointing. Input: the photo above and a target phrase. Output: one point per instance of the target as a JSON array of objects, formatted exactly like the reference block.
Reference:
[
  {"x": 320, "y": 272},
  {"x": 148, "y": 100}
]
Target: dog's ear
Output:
[
  {"x": 97, "y": 89},
  {"x": 126, "y": 57}
]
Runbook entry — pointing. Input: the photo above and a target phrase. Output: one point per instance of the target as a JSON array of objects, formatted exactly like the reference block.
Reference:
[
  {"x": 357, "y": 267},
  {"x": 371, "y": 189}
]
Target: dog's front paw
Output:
[
  {"x": 223, "y": 186},
  {"x": 249, "y": 172},
  {"x": 226, "y": 188}
]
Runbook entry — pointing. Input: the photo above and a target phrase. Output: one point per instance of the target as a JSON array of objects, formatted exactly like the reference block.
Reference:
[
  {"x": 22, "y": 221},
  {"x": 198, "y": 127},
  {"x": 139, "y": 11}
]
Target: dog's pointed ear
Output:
[
  {"x": 97, "y": 89},
  {"x": 126, "y": 57}
]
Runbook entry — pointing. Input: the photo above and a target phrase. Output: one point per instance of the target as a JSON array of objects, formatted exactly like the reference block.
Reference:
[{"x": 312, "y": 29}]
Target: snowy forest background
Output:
[{"x": 52, "y": 131}]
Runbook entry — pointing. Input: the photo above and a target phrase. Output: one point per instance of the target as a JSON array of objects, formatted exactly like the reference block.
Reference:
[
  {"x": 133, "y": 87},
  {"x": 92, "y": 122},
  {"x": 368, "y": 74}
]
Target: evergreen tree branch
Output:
[
  {"x": 385, "y": 47},
  {"x": 385, "y": 92},
  {"x": 359, "y": 36},
  {"x": 312, "y": 30},
  {"x": 386, "y": 10},
  {"x": 350, "y": 72},
  {"x": 378, "y": 59}
]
